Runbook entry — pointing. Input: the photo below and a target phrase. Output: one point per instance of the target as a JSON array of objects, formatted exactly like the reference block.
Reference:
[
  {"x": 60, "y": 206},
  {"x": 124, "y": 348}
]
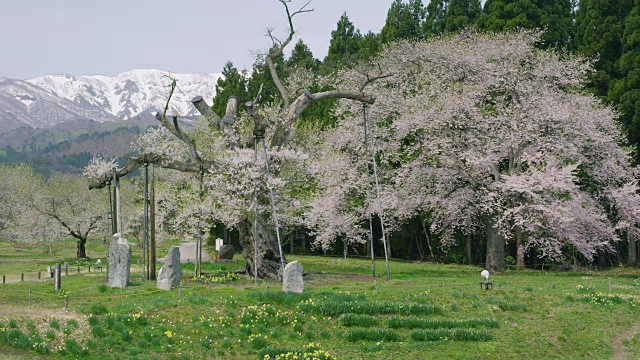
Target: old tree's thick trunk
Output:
[
  {"x": 81, "y": 253},
  {"x": 268, "y": 253},
  {"x": 495, "y": 247}
]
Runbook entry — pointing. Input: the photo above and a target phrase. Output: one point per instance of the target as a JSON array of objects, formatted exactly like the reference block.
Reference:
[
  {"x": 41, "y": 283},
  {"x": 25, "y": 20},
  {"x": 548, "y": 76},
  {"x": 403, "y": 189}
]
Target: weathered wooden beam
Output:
[
  {"x": 175, "y": 122},
  {"x": 204, "y": 108},
  {"x": 232, "y": 109}
]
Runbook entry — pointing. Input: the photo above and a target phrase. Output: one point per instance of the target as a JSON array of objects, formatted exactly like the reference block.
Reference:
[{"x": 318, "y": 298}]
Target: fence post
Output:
[
  {"x": 56, "y": 281},
  {"x": 66, "y": 268},
  {"x": 78, "y": 269},
  {"x": 22, "y": 277},
  {"x": 39, "y": 275},
  {"x": 29, "y": 297},
  {"x": 66, "y": 302},
  {"x": 3, "y": 279}
]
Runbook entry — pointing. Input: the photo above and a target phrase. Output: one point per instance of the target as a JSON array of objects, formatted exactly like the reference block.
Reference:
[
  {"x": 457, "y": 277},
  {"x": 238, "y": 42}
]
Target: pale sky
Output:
[{"x": 107, "y": 37}]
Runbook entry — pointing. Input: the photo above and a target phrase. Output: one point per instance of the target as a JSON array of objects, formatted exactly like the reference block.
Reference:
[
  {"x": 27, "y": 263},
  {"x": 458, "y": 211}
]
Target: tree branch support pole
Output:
[
  {"x": 366, "y": 157},
  {"x": 145, "y": 225},
  {"x": 375, "y": 176},
  {"x": 152, "y": 225},
  {"x": 255, "y": 214},
  {"x": 114, "y": 210},
  {"x": 119, "y": 207},
  {"x": 200, "y": 231},
  {"x": 109, "y": 223},
  {"x": 273, "y": 208}
]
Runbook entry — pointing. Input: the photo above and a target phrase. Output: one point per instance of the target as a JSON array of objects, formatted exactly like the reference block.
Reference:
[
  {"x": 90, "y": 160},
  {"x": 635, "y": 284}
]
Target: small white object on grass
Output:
[
  {"x": 485, "y": 275},
  {"x": 98, "y": 263}
]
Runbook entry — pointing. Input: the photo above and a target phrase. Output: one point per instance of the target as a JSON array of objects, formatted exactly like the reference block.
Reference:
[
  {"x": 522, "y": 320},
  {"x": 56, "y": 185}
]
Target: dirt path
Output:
[
  {"x": 188, "y": 253},
  {"x": 619, "y": 352},
  {"x": 25, "y": 259}
]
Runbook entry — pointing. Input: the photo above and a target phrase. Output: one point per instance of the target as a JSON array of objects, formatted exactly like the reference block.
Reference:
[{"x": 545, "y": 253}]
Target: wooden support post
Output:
[
  {"x": 66, "y": 268},
  {"x": 119, "y": 207},
  {"x": 145, "y": 226},
  {"x": 66, "y": 302},
  {"x": 114, "y": 209},
  {"x": 3, "y": 280},
  {"x": 152, "y": 224},
  {"x": 78, "y": 269},
  {"x": 22, "y": 277},
  {"x": 29, "y": 297},
  {"x": 38, "y": 275}
]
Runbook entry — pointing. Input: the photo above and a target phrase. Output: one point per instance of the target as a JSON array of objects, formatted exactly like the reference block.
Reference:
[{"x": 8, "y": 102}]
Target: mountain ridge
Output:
[
  {"x": 48, "y": 100},
  {"x": 133, "y": 92},
  {"x": 22, "y": 103}
]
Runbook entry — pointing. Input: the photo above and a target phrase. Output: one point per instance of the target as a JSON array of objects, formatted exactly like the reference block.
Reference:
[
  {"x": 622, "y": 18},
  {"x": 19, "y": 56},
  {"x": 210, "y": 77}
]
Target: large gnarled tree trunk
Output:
[
  {"x": 81, "y": 253},
  {"x": 267, "y": 248}
]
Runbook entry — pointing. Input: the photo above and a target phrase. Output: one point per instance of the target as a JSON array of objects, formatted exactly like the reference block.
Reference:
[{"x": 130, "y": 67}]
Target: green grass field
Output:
[{"x": 425, "y": 311}]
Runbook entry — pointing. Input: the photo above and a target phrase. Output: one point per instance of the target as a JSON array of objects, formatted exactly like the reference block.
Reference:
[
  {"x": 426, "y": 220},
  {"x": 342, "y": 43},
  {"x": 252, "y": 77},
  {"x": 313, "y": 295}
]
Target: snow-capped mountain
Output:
[
  {"x": 22, "y": 103},
  {"x": 131, "y": 93}
]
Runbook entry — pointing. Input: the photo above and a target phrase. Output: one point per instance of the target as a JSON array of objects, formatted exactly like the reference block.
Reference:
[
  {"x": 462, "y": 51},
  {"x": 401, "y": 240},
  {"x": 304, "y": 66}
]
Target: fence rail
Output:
[{"x": 45, "y": 275}]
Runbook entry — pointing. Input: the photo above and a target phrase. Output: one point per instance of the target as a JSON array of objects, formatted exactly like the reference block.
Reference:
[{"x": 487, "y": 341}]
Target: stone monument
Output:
[
  {"x": 119, "y": 262},
  {"x": 292, "y": 277},
  {"x": 171, "y": 273},
  {"x": 226, "y": 252}
]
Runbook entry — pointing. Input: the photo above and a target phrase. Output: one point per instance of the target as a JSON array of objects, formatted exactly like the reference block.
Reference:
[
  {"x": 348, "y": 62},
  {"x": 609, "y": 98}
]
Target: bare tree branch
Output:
[
  {"x": 257, "y": 98},
  {"x": 52, "y": 214},
  {"x": 290, "y": 16},
  {"x": 274, "y": 40},
  {"x": 194, "y": 164},
  {"x": 167, "y": 163},
  {"x": 274, "y": 75},
  {"x": 278, "y": 49},
  {"x": 371, "y": 79},
  {"x": 302, "y": 102},
  {"x": 173, "y": 85},
  {"x": 184, "y": 137}
]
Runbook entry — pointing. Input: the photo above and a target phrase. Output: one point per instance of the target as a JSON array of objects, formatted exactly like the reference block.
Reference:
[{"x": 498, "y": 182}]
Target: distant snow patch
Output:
[{"x": 25, "y": 99}]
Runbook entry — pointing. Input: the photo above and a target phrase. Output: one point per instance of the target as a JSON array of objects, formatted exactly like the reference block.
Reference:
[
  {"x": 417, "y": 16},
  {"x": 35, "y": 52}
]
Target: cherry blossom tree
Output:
[
  {"x": 8, "y": 200},
  {"x": 14, "y": 205},
  {"x": 46, "y": 210},
  {"x": 229, "y": 153},
  {"x": 67, "y": 202},
  {"x": 488, "y": 135}
]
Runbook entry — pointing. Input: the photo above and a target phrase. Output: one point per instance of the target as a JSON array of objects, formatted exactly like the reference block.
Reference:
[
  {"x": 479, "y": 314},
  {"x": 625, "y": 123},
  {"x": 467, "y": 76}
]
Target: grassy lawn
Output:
[{"x": 424, "y": 311}]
